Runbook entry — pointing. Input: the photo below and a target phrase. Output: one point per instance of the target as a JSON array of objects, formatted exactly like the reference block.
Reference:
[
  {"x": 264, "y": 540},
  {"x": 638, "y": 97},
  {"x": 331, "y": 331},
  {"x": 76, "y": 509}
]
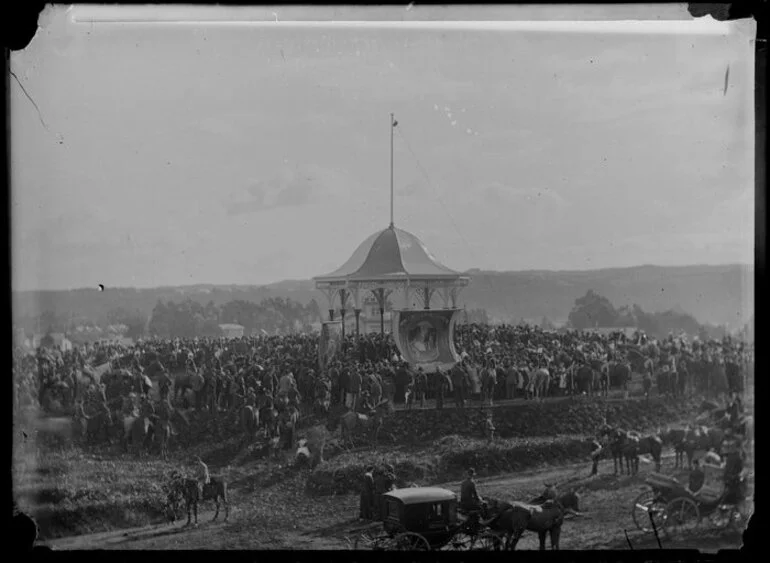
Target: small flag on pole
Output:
[{"x": 395, "y": 123}]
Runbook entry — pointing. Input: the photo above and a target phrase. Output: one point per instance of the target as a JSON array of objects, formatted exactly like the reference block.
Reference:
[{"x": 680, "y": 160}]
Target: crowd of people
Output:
[{"x": 280, "y": 376}]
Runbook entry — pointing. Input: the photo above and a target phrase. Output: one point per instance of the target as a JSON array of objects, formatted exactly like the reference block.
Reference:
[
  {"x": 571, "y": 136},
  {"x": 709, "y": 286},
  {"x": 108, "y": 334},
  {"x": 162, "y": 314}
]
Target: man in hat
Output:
[
  {"x": 459, "y": 375},
  {"x": 421, "y": 386},
  {"x": 366, "y": 504},
  {"x": 384, "y": 481},
  {"x": 355, "y": 382},
  {"x": 548, "y": 495},
  {"x": 470, "y": 500},
  {"x": 438, "y": 386},
  {"x": 489, "y": 382}
]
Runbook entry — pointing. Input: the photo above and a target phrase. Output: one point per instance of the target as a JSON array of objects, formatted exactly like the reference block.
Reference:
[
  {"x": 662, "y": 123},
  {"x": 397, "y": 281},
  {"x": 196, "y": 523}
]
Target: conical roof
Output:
[{"x": 391, "y": 254}]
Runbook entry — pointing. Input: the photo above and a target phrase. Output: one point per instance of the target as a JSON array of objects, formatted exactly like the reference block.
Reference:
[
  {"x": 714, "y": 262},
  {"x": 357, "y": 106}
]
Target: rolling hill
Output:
[{"x": 712, "y": 294}]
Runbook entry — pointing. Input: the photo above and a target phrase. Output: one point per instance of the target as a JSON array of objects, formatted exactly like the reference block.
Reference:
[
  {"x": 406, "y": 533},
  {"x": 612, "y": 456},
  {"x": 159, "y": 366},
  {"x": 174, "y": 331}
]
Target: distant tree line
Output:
[
  {"x": 477, "y": 316},
  {"x": 186, "y": 319},
  {"x": 189, "y": 318},
  {"x": 595, "y": 311}
]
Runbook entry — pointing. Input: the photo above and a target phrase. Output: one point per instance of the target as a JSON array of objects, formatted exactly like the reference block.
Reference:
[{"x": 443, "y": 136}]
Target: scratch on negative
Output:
[
  {"x": 727, "y": 79},
  {"x": 23, "y": 89}
]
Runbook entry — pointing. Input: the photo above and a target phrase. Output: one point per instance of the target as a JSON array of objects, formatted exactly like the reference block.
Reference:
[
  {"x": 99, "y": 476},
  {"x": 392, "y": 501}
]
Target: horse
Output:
[
  {"x": 182, "y": 380},
  {"x": 702, "y": 439},
  {"x": 139, "y": 431},
  {"x": 600, "y": 377},
  {"x": 538, "y": 383},
  {"x": 351, "y": 422},
  {"x": 652, "y": 445},
  {"x": 619, "y": 374},
  {"x": 634, "y": 445},
  {"x": 513, "y": 519},
  {"x": 584, "y": 379},
  {"x": 617, "y": 440},
  {"x": 215, "y": 490},
  {"x": 675, "y": 437}
]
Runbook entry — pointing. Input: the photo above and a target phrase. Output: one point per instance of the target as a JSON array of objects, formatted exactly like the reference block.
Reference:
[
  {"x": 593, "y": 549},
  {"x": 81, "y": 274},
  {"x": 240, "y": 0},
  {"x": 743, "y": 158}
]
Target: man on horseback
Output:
[
  {"x": 548, "y": 495},
  {"x": 202, "y": 474}
]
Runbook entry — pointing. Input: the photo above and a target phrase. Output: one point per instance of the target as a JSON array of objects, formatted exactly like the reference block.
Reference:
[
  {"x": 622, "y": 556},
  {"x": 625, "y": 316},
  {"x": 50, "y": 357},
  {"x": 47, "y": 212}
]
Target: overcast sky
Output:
[{"x": 170, "y": 155}]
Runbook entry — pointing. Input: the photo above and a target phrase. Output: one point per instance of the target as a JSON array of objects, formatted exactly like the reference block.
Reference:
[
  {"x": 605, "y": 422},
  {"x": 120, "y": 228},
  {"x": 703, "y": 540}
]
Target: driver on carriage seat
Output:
[
  {"x": 697, "y": 478},
  {"x": 548, "y": 496},
  {"x": 470, "y": 501}
]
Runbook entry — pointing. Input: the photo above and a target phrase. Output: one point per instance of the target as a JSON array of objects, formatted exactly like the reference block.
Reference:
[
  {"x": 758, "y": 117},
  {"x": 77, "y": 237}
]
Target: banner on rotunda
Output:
[{"x": 425, "y": 338}]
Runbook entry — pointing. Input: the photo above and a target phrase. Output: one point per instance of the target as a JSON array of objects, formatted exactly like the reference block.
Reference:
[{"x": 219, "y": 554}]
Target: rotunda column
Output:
[
  {"x": 344, "y": 294},
  {"x": 357, "y": 308}
]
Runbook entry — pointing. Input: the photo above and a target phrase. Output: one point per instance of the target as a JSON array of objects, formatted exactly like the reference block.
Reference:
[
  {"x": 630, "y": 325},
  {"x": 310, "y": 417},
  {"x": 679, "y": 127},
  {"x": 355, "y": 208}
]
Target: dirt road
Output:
[{"x": 329, "y": 523}]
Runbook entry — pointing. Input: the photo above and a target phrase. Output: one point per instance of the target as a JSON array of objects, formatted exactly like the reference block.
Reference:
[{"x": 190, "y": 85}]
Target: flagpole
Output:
[{"x": 392, "y": 126}]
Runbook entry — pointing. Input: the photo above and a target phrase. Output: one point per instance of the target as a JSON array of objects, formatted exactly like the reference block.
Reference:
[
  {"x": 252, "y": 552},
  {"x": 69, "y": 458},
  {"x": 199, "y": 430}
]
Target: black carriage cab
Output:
[{"x": 430, "y": 511}]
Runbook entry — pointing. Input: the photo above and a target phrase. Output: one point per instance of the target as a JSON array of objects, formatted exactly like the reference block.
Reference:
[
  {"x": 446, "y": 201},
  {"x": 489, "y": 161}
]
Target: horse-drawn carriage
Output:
[
  {"x": 670, "y": 507},
  {"x": 426, "y": 518}
]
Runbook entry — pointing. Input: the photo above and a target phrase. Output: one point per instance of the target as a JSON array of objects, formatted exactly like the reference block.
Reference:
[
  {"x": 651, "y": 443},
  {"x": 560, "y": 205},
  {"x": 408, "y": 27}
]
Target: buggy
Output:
[
  {"x": 669, "y": 506},
  {"x": 426, "y": 518}
]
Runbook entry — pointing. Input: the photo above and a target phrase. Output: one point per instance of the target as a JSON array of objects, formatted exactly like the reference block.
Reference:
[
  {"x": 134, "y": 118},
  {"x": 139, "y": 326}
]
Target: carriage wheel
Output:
[
  {"x": 408, "y": 541},
  {"x": 459, "y": 542},
  {"x": 366, "y": 541},
  {"x": 681, "y": 515},
  {"x": 644, "y": 505},
  {"x": 489, "y": 541}
]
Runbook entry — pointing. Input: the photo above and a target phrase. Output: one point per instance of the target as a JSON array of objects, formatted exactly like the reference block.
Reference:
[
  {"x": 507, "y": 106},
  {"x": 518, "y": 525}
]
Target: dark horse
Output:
[
  {"x": 615, "y": 438},
  {"x": 583, "y": 379},
  {"x": 513, "y": 519},
  {"x": 351, "y": 422},
  {"x": 634, "y": 445},
  {"x": 620, "y": 376},
  {"x": 215, "y": 490}
]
